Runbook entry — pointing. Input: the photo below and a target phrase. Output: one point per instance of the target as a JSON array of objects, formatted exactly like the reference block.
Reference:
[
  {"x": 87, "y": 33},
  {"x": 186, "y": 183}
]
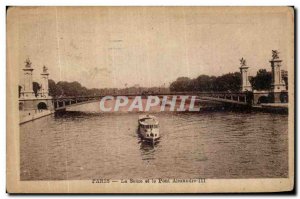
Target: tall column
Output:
[
  {"x": 277, "y": 82},
  {"x": 246, "y": 86},
  {"x": 27, "y": 89},
  {"x": 44, "y": 90}
]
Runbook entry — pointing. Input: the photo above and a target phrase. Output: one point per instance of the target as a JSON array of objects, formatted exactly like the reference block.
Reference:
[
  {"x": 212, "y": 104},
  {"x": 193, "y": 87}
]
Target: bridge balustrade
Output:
[{"x": 61, "y": 103}]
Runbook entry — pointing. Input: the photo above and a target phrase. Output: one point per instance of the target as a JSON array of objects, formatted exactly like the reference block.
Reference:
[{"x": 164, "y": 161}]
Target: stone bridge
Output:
[{"x": 239, "y": 98}]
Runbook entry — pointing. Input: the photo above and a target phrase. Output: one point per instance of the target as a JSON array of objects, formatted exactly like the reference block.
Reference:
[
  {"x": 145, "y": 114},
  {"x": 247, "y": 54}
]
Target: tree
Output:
[
  {"x": 70, "y": 89},
  {"x": 262, "y": 80},
  {"x": 284, "y": 75},
  {"x": 20, "y": 88},
  {"x": 228, "y": 82},
  {"x": 205, "y": 83},
  {"x": 36, "y": 87},
  {"x": 53, "y": 89},
  {"x": 181, "y": 84},
  {"x": 286, "y": 82}
]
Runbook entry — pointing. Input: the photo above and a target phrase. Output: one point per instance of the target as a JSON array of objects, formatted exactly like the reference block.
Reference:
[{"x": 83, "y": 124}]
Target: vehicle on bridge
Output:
[{"x": 149, "y": 128}]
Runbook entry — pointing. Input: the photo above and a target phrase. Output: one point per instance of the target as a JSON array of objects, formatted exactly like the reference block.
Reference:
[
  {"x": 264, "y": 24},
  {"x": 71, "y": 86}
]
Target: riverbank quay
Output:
[
  {"x": 277, "y": 108},
  {"x": 272, "y": 107},
  {"x": 31, "y": 115}
]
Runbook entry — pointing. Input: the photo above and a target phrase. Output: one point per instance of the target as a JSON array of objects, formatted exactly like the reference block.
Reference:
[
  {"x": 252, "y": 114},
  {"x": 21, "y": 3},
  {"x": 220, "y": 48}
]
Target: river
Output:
[{"x": 85, "y": 144}]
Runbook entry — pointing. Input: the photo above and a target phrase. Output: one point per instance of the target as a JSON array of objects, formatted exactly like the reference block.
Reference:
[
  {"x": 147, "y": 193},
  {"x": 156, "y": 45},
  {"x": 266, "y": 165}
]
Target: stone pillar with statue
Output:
[
  {"x": 44, "y": 90},
  {"x": 277, "y": 85},
  {"x": 44, "y": 101},
  {"x": 27, "y": 87},
  {"x": 246, "y": 86}
]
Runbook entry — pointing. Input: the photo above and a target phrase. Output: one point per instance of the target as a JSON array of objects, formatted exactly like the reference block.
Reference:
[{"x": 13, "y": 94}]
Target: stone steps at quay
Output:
[{"x": 30, "y": 115}]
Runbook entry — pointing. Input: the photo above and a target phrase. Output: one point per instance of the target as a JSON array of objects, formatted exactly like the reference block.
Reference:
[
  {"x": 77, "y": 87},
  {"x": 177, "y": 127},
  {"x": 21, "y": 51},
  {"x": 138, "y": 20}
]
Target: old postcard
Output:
[{"x": 150, "y": 99}]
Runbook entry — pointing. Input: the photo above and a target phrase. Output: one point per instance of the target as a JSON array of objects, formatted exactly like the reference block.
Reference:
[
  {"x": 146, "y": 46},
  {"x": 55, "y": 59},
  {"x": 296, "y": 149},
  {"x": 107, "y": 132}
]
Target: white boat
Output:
[{"x": 149, "y": 127}]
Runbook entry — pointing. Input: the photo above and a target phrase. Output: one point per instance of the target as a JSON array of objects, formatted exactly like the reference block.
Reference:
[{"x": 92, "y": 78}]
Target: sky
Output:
[{"x": 105, "y": 47}]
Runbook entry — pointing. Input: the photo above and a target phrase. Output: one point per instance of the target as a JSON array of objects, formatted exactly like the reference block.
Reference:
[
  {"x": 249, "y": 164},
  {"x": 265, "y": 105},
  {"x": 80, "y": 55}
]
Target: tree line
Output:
[
  {"x": 63, "y": 88},
  {"x": 227, "y": 82},
  {"x": 205, "y": 83}
]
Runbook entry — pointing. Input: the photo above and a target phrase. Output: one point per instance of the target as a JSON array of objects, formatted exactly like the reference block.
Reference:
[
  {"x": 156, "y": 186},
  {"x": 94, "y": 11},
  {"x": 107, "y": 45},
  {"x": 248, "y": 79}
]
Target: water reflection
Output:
[{"x": 147, "y": 148}]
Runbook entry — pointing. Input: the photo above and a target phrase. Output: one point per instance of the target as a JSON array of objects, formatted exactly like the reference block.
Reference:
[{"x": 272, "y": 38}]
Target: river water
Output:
[{"x": 85, "y": 144}]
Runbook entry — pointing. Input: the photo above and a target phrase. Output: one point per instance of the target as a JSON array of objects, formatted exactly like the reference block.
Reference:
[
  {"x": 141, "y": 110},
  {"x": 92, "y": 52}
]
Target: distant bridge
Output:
[{"x": 236, "y": 98}]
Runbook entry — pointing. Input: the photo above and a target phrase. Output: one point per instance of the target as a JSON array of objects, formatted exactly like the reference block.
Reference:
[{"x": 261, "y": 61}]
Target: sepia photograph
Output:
[{"x": 150, "y": 99}]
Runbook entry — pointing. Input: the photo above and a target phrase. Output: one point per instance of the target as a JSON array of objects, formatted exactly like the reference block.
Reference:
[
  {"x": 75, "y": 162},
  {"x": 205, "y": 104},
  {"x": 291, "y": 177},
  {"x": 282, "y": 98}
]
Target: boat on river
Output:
[{"x": 149, "y": 128}]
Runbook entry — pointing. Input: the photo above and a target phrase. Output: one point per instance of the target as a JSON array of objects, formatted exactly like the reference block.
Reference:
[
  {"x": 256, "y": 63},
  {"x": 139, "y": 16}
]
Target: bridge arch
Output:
[
  {"x": 42, "y": 105},
  {"x": 263, "y": 99},
  {"x": 284, "y": 97}
]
